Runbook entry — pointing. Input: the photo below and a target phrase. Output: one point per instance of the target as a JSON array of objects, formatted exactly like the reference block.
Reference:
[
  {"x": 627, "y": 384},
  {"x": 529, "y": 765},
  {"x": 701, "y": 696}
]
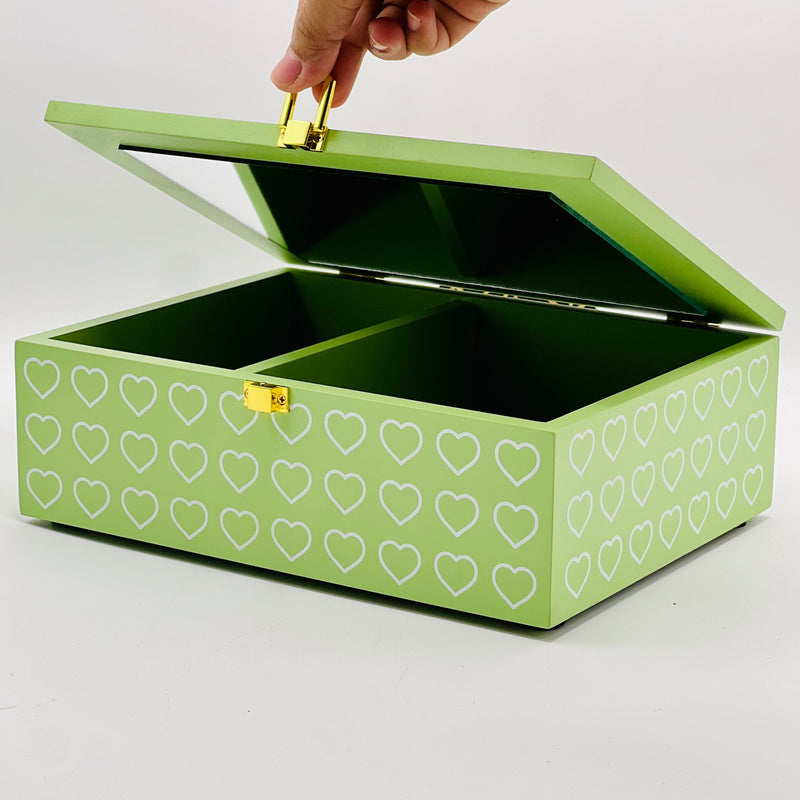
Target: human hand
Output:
[{"x": 330, "y": 37}]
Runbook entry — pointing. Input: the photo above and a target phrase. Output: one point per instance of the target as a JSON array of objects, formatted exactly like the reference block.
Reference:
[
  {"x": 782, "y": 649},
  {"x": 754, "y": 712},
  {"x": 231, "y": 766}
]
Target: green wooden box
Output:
[{"x": 515, "y": 385}]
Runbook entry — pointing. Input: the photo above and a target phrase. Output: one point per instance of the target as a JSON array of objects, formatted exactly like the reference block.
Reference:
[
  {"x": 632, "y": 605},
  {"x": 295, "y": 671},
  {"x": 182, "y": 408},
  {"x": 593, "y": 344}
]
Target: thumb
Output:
[{"x": 319, "y": 28}]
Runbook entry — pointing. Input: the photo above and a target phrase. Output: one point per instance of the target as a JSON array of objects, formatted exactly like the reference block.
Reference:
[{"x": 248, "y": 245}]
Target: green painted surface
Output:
[
  {"x": 588, "y": 187},
  {"x": 656, "y": 476},
  {"x": 415, "y": 461}
]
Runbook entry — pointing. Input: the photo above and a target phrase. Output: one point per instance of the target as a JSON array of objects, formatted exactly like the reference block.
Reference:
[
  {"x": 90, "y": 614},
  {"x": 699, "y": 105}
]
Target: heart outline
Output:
[
  {"x": 90, "y": 428},
  {"x": 43, "y": 474},
  {"x": 610, "y": 574},
  {"x": 614, "y": 422},
  {"x": 239, "y": 515},
  {"x": 43, "y": 450},
  {"x": 640, "y": 470},
  {"x": 517, "y": 447},
  {"x": 513, "y": 571},
  {"x": 92, "y": 371},
  {"x": 345, "y": 416},
  {"x": 140, "y": 494},
  {"x": 680, "y": 394},
  {"x": 239, "y": 398},
  {"x": 646, "y": 440},
  {"x": 458, "y": 498},
  {"x": 580, "y": 499},
  {"x": 402, "y": 488},
  {"x": 188, "y": 389},
  {"x": 91, "y": 485},
  {"x": 456, "y": 559},
  {"x": 702, "y": 496},
  {"x": 292, "y": 466},
  {"x": 669, "y": 513},
  {"x": 576, "y": 593},
  {"x": 756, "y": 361},
  {"x": 293, "y": 408},
  {"x": 757, "y": 469},
  {"x": 458, "y": 437},
  {"x": 138, "y": 380},
  {"x": 344, "y": 536},
  {"x": 400, "y": 426},
  {"x": 345, "y": 476},
  {"x": 138, "y": 437},
  {"x": 188, "y": 446},
  {"x": 47, "y": 362},
  {"x": 702, "y": 384},
  {"x": 580, "y": 437},
  {"x": 188, "y": 504},
  {"x": 648, "y": 526},
  {"x": 292, "y": 525},
  {"x": 516, "y": 509},
  {"x": 399, "y": 547},
  {"x": 239, "y": 457}
]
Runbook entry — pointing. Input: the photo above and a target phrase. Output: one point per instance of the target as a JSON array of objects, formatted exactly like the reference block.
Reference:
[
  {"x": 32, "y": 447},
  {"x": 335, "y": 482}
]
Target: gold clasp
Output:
[
  {"x": 297, "y": 134},
  {"x": 266, "y": 398}
]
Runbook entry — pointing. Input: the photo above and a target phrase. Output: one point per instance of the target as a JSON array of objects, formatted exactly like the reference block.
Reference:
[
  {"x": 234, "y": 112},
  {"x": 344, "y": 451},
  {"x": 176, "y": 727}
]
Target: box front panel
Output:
[
  {"x": 447, "y": 508},
  {"x": 662, "y": 474}
]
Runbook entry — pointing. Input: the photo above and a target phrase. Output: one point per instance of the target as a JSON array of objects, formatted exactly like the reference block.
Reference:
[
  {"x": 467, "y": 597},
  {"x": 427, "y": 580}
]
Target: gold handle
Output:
[{"x": 299, "y": 135}]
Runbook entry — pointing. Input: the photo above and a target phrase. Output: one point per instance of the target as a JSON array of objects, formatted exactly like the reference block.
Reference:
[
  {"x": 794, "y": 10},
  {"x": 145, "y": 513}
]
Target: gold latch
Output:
[
  {"x": 300, "y": 135},
  {"x": 266, "y": 398}
]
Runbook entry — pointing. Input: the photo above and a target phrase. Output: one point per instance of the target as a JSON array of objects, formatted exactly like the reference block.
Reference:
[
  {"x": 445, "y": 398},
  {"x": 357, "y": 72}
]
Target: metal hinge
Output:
[
  {"x": 266, "y": 398},
  {"x": 299, "y": 135}
]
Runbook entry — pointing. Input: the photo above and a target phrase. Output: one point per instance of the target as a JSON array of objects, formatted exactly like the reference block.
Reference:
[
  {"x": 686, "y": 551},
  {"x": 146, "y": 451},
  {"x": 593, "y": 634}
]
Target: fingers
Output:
[
  {"x": 407, "y": 27},
  {"x": 320, "y": 28}
]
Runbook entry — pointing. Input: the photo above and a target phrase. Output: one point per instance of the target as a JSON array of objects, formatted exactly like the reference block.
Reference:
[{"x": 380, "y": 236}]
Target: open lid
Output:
[{"x": 534, "y": 224}]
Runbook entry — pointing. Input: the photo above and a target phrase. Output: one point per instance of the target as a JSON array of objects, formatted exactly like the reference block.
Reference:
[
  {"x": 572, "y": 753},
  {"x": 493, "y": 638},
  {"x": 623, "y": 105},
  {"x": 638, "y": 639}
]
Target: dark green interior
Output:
[
  {"x": 518, "y": 360},
  {"x": 255, "y": 321},
  {"x": 498, "y": 356},
  {"x": 487, "y": 236}
]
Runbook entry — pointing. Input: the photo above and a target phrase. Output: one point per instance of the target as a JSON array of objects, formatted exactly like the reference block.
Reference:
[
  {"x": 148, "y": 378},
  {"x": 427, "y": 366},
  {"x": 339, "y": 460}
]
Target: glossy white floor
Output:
[{"x": 126, "y": 673}]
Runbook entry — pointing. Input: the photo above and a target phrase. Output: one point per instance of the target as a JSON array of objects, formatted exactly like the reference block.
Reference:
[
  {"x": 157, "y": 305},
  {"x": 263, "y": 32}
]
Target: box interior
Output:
[{"x": 497, "y": 356}]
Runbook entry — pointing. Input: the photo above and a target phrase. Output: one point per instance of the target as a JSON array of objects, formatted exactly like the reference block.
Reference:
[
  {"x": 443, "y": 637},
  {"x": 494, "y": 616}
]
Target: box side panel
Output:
[
  {"x": 662, "y": 474},
  {"x": 388, "y": 496}
]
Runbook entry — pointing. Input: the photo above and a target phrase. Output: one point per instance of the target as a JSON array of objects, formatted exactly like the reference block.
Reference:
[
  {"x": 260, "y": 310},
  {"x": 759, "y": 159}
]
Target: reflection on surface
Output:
[
  {"x": 460, "y": 234},
  {"x": 214, "y": 181}
]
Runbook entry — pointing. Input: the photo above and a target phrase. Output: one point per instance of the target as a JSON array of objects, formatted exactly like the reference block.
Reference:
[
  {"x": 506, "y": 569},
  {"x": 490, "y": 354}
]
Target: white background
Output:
[{"x": 126, "y": 673}]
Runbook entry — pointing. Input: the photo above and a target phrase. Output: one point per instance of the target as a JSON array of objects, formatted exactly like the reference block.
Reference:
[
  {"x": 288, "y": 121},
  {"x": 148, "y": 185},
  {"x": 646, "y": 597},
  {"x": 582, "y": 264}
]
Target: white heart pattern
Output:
[
  {"x": 577, "y": 568},
  {"x": 342, "y": 479},
  {"x": 141, "y": 522},
  {"x": 90, "y": 400},
  {"x": 529, "y": 530},
  {"x": 528, "y": 470},
  {"x": 458, "y": 467},
  {"x": 404, "y": 456},
  {"x": 514, "y": 571},
  {"x": 402, "y": 489},
  {"x": 49, "y": 443},
  {"x": 454, "y": 559},
  {"x": 580, "y": 462},
  {"x": 350, "y": 442},
  {"x": 97, "y": 509},
  {"x": 460, "y": 500},
  {"x": 186, "y": 392},
  {"x": 399, "y": 577},
  {"x": 613, "y": 439},
  {"x": 344, "y": 566},
  {"x": 42, "y": 391},
  {"x": 143, "y": 405}
]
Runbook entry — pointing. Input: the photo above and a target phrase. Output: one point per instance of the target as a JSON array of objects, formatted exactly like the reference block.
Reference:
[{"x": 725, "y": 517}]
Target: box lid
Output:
[{"x": 550, "y": 226}]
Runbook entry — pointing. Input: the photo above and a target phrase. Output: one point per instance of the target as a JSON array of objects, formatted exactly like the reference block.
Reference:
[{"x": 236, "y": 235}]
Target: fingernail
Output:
[
  {"x": 378, "y": 48},
  {"x": 288, "y": 69},
  {"x": 414, "y": 23}
]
